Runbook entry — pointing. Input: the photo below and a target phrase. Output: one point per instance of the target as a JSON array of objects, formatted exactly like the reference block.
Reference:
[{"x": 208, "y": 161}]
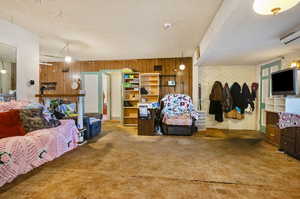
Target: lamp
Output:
[
  {"x": 295, "y": 64},
  {"x": 3, "y": 70},
  {"x": 182, "y": 66},
  {"x": 273, "y": 7},
  {"x": 68, "y": 58}
]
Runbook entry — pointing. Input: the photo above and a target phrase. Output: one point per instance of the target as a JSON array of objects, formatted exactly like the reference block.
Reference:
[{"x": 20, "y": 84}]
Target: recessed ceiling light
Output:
[{"x": 167, "y": 26}]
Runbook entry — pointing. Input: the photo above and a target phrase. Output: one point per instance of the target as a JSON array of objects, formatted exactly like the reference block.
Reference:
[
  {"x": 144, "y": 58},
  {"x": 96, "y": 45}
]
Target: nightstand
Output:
[{"x": 146, "y": 126}]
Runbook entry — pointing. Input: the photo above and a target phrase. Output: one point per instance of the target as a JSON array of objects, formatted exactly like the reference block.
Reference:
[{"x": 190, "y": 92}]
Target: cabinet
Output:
[
  {"x": 287, "y": 140},
  {"x": 290, "y": 141},
  {"x": 146, "y": 126},
  {"x": 272, "y": 129}
]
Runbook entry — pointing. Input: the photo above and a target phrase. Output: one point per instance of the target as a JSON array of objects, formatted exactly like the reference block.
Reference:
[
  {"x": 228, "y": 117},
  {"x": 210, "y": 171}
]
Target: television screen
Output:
[{"x": 283, "y": 82}]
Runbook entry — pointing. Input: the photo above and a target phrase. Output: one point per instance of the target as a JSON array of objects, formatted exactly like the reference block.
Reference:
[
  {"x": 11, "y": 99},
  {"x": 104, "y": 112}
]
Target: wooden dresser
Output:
[
  {"x": 290, "y": 141},
  {"x": 272, "y": 129},
  {"x": 287, "y": 140}
]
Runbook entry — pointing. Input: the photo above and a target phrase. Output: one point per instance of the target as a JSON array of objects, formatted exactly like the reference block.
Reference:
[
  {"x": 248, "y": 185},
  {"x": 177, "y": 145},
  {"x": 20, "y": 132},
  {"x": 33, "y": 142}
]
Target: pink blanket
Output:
[{"x": 19, "y": 155}]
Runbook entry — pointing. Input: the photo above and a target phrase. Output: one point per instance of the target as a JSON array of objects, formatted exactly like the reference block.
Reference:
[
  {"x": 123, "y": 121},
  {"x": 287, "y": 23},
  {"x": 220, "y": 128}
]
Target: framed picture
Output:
[{"x": 171, "y": 83}]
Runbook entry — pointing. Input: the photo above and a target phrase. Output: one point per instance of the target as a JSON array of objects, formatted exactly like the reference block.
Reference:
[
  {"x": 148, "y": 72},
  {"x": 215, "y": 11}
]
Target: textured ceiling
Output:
[{"x": 114, "y": 29}]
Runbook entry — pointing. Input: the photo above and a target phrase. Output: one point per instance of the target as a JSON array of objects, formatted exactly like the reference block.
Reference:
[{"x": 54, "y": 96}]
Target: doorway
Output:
[
  {"x": 265, "y": 89},
  {"x": 106, "y": 93},
  {"x": 91, "y": 85},
  {"x": 111, "y": 94}
]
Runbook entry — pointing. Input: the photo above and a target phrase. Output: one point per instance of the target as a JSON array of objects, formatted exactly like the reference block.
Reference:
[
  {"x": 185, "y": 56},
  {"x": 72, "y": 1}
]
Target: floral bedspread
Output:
[
  {"x": 177, "y": 104},
  {"x": 19, "y": 155},
  {"x": 288, "y": 120}
]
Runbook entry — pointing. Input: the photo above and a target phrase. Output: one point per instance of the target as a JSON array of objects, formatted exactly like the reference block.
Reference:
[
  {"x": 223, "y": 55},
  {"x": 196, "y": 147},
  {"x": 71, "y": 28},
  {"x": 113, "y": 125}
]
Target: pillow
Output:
[
  {"x": 32, "y": 119},
  {"x": 10, "y": 124}
]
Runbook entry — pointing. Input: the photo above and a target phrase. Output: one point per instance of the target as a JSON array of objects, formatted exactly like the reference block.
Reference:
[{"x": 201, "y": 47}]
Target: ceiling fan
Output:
[{"x": 65, "y": 50}]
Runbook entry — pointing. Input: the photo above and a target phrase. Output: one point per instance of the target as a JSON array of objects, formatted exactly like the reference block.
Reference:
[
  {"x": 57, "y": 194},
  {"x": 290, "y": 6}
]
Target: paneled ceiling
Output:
[{"x": 114, "y": 29}]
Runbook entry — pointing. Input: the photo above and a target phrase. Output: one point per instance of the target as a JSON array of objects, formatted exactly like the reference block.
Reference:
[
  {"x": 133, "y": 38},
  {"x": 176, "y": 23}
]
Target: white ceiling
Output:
[
  {"x": 239, "y": 36},
  {"x": 114, "y": 29}
]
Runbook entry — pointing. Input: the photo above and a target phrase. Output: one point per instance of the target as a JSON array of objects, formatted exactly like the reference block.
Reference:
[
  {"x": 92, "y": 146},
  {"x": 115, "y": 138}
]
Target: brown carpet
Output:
[{"x": 121, "y": 165}]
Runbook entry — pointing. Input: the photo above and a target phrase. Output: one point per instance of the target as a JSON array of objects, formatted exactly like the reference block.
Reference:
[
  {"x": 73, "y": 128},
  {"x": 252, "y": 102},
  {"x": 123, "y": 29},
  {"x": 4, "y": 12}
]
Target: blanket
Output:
[{"x": 19, "y": 155}]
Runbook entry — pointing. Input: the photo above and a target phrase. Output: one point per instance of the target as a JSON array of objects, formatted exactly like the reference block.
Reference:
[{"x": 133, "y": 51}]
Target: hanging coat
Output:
[
  {"x": 217, "y": 92},
  {"x": 254, "y": 87},
  {"x": 246, "y": 96},
  {"x": 227, "y": 104},
  {"x": 237, "y": 99},
  {"x": 216, "y": 101}
]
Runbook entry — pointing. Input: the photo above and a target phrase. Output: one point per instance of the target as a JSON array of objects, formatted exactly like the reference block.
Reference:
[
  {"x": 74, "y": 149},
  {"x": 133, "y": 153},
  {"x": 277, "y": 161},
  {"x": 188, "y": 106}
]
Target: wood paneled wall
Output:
[{"x": 170, "y": 66}]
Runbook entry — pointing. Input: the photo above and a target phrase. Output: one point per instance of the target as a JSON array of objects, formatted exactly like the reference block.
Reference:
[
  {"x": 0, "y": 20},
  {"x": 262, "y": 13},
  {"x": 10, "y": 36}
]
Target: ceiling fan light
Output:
[
  {"x": 68, "y": 59},
  {"x": 182, "y": 67},
  {"x": 273, "y": 7}
]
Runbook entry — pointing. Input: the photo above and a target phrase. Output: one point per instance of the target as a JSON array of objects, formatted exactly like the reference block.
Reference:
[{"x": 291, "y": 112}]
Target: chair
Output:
[{"x": 178, "y": 115}]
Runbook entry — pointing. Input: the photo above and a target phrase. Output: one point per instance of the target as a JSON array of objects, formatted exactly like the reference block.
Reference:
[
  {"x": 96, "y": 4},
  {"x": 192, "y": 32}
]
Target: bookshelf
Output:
[
  {"x": 138, "y": 88},
  {"x": 149, "y": 87},
  {"x": 130, "y": 98}
]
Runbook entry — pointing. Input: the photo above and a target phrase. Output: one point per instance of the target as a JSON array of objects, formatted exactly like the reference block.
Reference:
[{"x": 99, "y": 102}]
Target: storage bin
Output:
[{"x": 93, "y": 128}]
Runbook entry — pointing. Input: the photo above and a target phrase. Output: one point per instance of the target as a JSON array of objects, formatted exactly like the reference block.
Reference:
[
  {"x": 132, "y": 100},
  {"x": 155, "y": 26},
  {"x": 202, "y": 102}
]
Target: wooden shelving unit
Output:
[
  {"x": 275, "y": 104},
  {"x": 130, "y": 98},
  {"x": 150, "y": 82},
  {"x": 132, "y": 84}
]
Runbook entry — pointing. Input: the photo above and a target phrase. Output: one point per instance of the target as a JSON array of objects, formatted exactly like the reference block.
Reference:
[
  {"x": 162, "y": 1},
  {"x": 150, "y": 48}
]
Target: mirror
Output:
[{"x": 8, "y": 72}]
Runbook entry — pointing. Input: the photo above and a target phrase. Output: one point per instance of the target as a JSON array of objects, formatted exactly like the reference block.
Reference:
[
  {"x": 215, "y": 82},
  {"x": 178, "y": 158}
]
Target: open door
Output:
[
  {"x": 106, "y": 93},
  {"x": 90, "y": 83}
]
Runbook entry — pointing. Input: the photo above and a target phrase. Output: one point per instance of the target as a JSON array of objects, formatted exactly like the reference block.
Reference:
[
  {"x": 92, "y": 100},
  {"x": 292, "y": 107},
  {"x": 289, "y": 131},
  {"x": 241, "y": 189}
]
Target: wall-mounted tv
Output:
[{"x": 285, "y": 82}]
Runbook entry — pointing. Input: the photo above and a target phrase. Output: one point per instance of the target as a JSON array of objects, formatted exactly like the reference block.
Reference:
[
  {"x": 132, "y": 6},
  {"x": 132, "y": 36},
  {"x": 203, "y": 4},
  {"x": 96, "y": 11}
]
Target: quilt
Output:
[
  {"x": 21, "y": 154},
  {"x": 177, "y": 104},
  {"x": 288, "y": 120}
]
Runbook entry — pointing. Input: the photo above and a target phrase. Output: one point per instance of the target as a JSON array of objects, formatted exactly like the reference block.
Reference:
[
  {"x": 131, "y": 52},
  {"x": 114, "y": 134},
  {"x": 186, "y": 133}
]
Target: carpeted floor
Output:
[{"x": 120, "y": 165}]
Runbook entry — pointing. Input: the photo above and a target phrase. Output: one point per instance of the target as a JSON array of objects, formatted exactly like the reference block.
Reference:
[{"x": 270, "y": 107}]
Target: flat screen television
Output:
[{"x": 285, "y": 82}]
